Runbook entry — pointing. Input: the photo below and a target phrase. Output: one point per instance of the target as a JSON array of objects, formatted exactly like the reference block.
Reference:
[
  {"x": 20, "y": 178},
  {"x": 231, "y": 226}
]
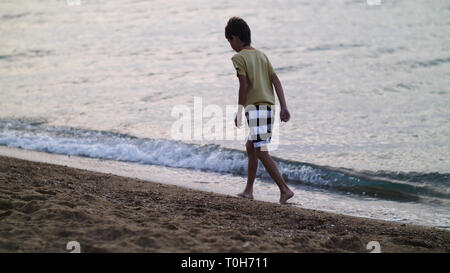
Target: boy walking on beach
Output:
[{"x": 256, "y": 77}]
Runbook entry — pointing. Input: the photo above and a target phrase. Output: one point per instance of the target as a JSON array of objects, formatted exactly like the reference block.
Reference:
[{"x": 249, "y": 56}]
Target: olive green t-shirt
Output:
[{"x": 255, "y": 65}]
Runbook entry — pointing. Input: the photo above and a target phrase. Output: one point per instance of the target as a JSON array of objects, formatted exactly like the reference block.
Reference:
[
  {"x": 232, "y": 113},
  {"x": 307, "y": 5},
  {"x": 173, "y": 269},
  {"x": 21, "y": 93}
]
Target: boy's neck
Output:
[{"x": 246, "y": 47}]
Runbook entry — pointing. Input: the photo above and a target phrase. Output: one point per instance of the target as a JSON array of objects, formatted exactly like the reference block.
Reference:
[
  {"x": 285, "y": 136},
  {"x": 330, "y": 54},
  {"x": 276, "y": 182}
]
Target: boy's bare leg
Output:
[
  {"x": 252, "y": 168},
  {"x": 272, "y": 169}
]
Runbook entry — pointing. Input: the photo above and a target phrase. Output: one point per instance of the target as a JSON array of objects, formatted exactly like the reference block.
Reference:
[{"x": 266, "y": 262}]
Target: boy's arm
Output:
[
  {"x": 284, "y": 113},
  {"x": 242, "y": 97},
  {"x": 243, "y": 89}
]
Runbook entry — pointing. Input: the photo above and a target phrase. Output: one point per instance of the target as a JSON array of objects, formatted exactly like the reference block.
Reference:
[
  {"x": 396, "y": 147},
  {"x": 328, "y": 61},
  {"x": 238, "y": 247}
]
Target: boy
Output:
[{"x": 256, "y": 77}]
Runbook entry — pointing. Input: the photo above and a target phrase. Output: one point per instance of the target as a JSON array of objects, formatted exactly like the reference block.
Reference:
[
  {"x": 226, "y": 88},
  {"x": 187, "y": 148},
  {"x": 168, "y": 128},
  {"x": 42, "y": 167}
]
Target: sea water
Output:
[{"x": 367, "y": 85}]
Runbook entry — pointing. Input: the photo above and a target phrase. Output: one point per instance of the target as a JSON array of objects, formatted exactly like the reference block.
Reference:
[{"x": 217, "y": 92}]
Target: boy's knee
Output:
[{"x": 261, "y": 153}]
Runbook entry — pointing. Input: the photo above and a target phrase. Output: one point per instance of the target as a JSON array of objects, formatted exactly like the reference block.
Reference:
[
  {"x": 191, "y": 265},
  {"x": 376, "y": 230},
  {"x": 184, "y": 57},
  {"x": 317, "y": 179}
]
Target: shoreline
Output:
[{"x": 44, "y": 206}]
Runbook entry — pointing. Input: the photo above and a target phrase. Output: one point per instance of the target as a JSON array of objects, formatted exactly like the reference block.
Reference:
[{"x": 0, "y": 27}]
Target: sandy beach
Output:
[{"x": 44, "y": 206}]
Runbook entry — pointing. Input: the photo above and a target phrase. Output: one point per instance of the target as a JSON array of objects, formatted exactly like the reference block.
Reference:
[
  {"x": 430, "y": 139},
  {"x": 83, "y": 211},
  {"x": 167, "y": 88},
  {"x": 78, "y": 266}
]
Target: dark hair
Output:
[{"x": 238, "y": 27}]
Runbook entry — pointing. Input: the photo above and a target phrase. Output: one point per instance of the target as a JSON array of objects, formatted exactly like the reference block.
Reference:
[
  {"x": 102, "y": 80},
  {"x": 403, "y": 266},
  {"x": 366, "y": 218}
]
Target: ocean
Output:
[{"x": 367, "y": 84}]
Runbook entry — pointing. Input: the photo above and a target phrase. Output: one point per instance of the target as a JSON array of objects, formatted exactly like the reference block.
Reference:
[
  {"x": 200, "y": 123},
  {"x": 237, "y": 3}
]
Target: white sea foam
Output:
[{"x": 214, "y": 158}]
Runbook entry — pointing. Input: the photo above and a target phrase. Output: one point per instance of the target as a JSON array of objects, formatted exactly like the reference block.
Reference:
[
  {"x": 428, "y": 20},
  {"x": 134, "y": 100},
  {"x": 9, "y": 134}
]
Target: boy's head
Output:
[{"x": 238, "y": 28}]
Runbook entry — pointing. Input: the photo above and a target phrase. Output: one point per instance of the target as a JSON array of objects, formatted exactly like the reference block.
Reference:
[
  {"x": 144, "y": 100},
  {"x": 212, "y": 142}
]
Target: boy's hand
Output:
[
  {"x": 238, "y": 117},
  {"x": 237, "y": 121},
  {"x": 284, "y": 115}
]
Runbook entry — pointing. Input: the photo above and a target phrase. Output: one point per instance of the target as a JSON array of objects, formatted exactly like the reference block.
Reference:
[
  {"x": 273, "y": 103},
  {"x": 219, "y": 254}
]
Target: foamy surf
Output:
[{"x": 431, "y": 188}]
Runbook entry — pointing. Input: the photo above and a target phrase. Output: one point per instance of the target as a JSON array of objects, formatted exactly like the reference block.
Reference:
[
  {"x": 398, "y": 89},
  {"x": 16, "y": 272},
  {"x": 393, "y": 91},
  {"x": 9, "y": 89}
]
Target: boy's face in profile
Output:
[{"x": 235, "y": 43}]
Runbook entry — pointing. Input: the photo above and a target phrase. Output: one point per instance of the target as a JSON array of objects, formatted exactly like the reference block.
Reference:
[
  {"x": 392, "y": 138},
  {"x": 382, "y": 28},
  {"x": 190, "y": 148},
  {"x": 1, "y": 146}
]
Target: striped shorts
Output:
[{"x": 260, "y": 121}]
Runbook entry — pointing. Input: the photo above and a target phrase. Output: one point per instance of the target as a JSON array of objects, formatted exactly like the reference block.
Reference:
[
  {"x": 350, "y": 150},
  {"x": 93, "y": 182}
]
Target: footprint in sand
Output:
[
  {"x": 146, "y": 242},
  {"x": 46, "y": 192},
  {"x": 410, "y": 242},
  {"x": 5, "y": 214},
  {"x": 194, "y": 212},
  {"x": 67, "y": 204},
  {"x": 30, "y": 207},
  {"x": 31, "y": 197},
  {"x": 169, "y": 226},
  {"x": 5, "y": 204}
]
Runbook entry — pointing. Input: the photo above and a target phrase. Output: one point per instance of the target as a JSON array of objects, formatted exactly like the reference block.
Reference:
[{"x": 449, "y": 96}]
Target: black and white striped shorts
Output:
[{"x": 260, "y": 120}]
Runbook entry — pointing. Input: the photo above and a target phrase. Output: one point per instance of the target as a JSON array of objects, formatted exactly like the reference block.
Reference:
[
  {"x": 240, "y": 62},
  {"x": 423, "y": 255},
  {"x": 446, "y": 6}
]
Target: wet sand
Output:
[{"x": 44, "y": 206}]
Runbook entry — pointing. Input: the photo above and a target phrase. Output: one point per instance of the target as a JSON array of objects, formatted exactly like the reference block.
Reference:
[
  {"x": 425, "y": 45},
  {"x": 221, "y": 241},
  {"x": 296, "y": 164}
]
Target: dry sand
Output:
[{"x": 44, "y": 206}]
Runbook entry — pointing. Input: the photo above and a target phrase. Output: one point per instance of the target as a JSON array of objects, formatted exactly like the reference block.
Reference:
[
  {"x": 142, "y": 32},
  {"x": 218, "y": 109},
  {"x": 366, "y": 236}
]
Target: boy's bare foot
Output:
[
  {"x": 286, "y": 196},
  {"x": 245, "y": 195}
]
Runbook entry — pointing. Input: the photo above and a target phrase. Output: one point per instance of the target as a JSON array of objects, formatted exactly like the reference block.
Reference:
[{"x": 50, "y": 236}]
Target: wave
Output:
[
  {"x": 399, "y": 186},
  {"x": 14, "y": 16},
  {"x": 428, "y": 63},
  {"x": 27, "y": 54},
  {"x": 333, "y": 47}
]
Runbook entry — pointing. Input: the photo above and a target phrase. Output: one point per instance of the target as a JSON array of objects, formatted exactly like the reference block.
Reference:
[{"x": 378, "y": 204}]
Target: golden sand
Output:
[{"x": 44, "y": 206}]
